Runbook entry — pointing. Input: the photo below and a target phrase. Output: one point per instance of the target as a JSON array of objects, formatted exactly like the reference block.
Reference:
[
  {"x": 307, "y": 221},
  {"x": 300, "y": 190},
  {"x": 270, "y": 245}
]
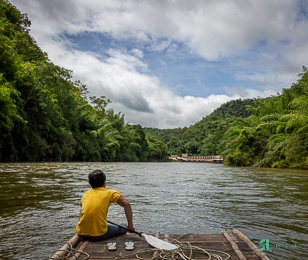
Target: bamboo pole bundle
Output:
[
  {"x": 234, "y": 246},
  {"x": 63, "y": 250},
  {"x": 80, "y": 250},
  {"x": 250, "y": 244}
]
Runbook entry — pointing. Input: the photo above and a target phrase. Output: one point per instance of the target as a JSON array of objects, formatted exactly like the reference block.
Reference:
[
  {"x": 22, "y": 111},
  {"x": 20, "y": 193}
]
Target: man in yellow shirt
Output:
[{"x": 94, "y": 208}]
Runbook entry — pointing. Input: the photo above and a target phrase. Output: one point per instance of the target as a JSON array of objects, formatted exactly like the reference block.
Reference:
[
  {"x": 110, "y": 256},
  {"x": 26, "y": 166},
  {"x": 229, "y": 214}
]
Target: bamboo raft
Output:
[{"x": 236, "y": 245}]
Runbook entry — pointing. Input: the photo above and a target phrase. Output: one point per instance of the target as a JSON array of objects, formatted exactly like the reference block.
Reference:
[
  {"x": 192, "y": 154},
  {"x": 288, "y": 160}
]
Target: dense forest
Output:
[
  {"x": 264, "y": 132},
  {"x": 203, "y": 138},
  {"x": 45, "y": 116}
]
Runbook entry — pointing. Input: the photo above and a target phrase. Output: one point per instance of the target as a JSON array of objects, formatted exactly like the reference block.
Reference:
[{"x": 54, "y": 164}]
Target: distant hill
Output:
[
  {"x": 262, "y": 132},
  {"x": 200, "y": 138},
  {"x": 45, "y": 116}
]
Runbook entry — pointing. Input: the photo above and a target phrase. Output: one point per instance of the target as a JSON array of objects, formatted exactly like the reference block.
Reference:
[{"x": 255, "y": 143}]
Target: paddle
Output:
[{"x": 153, "y": 241}]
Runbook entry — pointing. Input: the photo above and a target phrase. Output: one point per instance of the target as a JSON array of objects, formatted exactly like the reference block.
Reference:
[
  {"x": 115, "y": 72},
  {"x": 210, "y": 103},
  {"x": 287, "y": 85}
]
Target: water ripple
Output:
[{"x": 40, "y": 203}]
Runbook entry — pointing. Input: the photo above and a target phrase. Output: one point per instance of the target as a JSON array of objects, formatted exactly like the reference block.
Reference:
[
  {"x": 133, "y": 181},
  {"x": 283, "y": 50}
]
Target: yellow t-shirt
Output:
[{"x": 94, "y": 209}]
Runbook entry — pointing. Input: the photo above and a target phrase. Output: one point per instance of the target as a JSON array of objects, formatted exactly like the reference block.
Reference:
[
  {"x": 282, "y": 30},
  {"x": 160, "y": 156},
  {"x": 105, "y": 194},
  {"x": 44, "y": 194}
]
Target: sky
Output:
[{"x": 170, "y": 63}]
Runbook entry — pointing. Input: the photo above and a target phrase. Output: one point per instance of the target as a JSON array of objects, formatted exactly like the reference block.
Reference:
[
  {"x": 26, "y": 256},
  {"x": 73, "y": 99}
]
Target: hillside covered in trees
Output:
[
  {"x": 203, "y": 138},
  {"x": 269, "y": 132},
  {"x": 276, "y": 133},
  {"x": 45, "y": 116}
]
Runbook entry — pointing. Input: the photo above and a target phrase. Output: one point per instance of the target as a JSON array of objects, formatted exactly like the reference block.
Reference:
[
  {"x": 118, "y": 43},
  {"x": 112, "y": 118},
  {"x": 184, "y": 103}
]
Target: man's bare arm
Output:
[{"x": 128, "y": 212}]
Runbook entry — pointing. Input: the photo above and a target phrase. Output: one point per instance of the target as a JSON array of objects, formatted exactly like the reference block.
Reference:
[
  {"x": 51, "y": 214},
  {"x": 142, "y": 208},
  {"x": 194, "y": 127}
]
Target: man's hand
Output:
[{"x": 130, "y": 229}]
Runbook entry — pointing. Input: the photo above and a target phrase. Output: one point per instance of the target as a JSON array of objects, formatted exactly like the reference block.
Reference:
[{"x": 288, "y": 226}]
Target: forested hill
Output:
[
  {"x": 203, "y": 138},
  {"x": 44, "y": 116},
  {"x": 270, "y": 132}
]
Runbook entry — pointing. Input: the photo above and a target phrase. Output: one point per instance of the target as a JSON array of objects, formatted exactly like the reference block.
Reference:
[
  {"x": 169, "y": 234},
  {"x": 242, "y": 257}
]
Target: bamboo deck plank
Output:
[{"x": 240, "y": 250}]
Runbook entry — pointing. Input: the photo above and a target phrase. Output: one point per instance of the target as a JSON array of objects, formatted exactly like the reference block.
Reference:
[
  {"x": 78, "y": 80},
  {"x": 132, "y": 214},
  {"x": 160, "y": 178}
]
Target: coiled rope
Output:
[
  {"x": 185, "y": 251},
  {"x": 71, "y": 252}
]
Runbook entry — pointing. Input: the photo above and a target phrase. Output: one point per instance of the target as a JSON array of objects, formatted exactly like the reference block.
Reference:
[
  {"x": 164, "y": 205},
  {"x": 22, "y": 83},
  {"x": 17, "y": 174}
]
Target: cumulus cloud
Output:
[
  {"x": 213, "y": 29},
  {"x": 262, "y": 43},
  {"x": 142, "y": 98}
]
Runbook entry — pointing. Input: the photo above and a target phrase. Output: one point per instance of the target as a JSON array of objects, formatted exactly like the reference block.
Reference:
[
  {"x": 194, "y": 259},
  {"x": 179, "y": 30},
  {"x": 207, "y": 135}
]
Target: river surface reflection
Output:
[{"x": 40, "y": 203}]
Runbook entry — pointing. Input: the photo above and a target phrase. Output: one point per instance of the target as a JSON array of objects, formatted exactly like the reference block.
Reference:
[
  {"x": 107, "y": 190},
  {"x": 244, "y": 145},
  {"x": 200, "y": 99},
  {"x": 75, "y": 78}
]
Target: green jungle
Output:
[{"x": 45, "y": 116}]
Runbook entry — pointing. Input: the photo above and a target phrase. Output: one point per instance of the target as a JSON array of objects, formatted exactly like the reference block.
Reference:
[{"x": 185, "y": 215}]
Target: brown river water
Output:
[{"x": 40, "y": 203}]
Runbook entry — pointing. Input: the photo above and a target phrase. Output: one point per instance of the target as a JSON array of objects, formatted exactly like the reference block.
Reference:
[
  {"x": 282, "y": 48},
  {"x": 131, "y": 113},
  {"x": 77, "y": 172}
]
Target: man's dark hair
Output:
[{"x": 97, "y": 178}]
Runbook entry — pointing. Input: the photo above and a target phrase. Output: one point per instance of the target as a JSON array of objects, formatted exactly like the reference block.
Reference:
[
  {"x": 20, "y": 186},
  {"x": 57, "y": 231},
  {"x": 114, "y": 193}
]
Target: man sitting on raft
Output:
[{"x": 94, "y": 208}]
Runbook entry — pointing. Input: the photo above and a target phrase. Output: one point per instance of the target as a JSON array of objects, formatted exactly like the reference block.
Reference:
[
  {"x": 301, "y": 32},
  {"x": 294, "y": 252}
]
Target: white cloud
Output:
[
  {"x": 142, "y": 98},
  {"x": 160, "y": 46},
  {"x": 213, "y": 29},
  {"x": 137, "y": 53},
  {"x": 243, "y": 93},
  {"x": 266, "y": 40}
]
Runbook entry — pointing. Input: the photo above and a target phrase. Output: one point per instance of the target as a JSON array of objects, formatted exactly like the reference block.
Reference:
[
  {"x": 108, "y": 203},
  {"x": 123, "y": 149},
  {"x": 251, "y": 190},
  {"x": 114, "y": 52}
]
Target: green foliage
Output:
[
  {"x": 203, "y": 138},
  {"x": 279, "y": 135},
  {"x": 44, "y": 116},
  {"x": 157, "y": 149},
  {"x": 269, "y": 132}
]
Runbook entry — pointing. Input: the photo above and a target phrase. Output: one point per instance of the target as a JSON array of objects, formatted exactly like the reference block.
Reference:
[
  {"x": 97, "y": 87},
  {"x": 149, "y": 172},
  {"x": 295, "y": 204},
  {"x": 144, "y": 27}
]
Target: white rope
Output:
[{"x": 182, "y": 252}]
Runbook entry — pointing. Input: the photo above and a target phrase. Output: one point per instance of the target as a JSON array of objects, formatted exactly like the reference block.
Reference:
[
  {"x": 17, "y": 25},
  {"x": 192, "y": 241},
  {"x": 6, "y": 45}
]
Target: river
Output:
[{"x": 40, "y": 203}]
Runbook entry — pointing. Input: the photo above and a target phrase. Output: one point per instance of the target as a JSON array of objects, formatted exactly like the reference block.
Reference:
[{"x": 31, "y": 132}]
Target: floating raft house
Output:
[
  {"x": 208, "y": 246},
  {"x": 205, "y": 159}
]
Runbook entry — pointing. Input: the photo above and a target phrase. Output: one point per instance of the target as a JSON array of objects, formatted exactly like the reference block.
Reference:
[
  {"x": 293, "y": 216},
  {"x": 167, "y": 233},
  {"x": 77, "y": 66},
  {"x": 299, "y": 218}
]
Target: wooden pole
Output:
[
  {"x": 262, "y": 255},
  {"x": 63, "y": 250},
  {"x": 80, "y": 250},
  {"x": 234, "y": 246}
]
